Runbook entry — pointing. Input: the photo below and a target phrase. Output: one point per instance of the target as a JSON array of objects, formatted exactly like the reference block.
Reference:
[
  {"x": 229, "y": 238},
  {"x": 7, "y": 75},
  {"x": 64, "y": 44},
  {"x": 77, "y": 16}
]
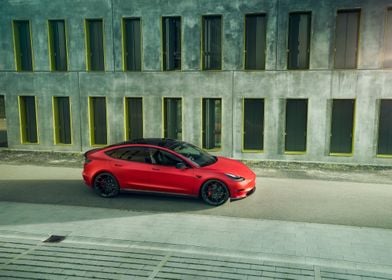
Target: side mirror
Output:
[{"x": 181, "y": 166}]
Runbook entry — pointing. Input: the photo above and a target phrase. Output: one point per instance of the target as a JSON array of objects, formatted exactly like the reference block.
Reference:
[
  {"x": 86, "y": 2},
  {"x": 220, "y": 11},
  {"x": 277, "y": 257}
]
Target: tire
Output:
[
  {"x": 214, "y": 192},
  {"x": 106, "y": 185}
]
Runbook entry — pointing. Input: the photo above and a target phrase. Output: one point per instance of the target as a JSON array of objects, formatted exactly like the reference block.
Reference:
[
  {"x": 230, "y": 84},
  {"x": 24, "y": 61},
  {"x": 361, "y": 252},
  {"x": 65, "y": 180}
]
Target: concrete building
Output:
[{"x": 307, "y": 80}]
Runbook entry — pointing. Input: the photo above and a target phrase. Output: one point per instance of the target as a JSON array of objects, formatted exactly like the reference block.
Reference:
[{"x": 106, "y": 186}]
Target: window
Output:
[
  {"x": 98, "y": 129},
  {"x": 165, "y": 158},
  {"x": 212, "y": 43},
  {"x": 134, "y": 154},
  {"x": 62, "y": 120},
  {"x": 296, "y": 125},
  {"x": 385, "y": 128},
  {"x": 342, "y": 126},
  {"x": 299, "y": 40},
  {"x": 346, "y": 39},
  {"x": 94, "y": 39},
  {"x": 172, "y": 118},
  {"x": 212, "y": 123},
  {"x": 57, "y": 45},
  {"x": 132, "y": 42},
  {"x": 255, "y": 41},
  {"x": 388, "y": 40},
  {"x": 134, "y": 117},
  {"x": 22, "y": 42},
  {"x": 171, "y": 43},
  {"x": 3, "y": 123},
  {"x": 253, "y": 124},
  {"x": 28, "y": 119}
]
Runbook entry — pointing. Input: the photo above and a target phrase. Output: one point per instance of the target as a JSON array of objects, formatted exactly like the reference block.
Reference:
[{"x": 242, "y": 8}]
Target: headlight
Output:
[{"x": 235, "y": 177}]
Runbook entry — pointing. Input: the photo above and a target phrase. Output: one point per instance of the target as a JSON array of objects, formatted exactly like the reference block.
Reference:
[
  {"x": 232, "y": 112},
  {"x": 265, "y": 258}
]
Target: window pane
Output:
[
  {"x": 23, "y": 51},
  {"x": 299, "y": 41},
  {"x": 385, "y": 128},
  {"x": 95, "y": 53},
  {"x": 342, "y": 126},
  {"x": 98, "y": 127},
  {"x": 58, "y": 48},
  {"x": 346, "y": 39},
  {"x": 134, "y": 117},
  {"x": 253, "y": 124},
  {"x": 388, "y": 40},
  {"x": 171, "y": 40},
  {"x": 212, "y": 45},
  {"x": 173, "y": 118},
  {"x": 28, "y": 119},
  {"x": 296, "y": 125},
  {"x": 255, "y": 42},
  {"x": 132, "y": 44},
  {"x": 3, "y": 123},
  {"x": 62, "y": 120},
  {"x": 212, "y": 123}
]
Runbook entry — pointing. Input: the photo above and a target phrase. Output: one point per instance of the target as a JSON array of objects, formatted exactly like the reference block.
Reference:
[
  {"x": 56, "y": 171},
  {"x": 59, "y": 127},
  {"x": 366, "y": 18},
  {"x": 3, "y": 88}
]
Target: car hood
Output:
[{"x": 227, "y": 165}]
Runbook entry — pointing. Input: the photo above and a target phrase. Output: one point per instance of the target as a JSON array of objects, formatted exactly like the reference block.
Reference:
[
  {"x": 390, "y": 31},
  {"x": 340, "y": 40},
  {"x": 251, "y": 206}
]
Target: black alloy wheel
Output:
[
  {"x": 106, "y": 185},
  {"x": 214, "y": 192}
]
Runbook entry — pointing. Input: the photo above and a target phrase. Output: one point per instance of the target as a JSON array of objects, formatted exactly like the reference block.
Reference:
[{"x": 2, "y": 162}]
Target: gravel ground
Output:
[{"x": 274, "y": 169}]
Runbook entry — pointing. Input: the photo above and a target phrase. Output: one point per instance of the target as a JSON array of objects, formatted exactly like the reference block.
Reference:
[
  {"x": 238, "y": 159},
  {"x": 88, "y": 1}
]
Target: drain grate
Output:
[{"x": 55, "y": 239}]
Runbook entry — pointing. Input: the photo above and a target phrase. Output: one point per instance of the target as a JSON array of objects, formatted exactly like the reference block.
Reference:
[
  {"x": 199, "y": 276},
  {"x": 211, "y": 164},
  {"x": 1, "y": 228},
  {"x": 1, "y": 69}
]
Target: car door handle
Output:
[
  {"x": 118, "y": 165},
  {"x": 154, "y": 168}
]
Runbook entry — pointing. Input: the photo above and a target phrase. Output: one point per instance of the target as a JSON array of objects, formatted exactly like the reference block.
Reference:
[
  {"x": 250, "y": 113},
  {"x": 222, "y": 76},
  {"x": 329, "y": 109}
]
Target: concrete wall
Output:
[{"x": 321, "y": 83}]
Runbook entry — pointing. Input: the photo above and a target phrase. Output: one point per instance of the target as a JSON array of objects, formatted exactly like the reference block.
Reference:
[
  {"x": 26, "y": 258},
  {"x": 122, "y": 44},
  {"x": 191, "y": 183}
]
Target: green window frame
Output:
[
  {"x": 172, "y": 118},
  {"x": 296, "y": 125},
  {"x": 58, "y": 45},
  {"x": 211, "y": 123},
  {"x": 346, "y": 38},
  {"x": 62, "y": 120},
  {"x": 387, "y": 63},
  {"x": 133, "y": 118},
  {"x": 23, "y": 45},
  {"x": 342, "y": 127},
  {"x": 98, "y": 120},
  {"x": 171, "y": 43},
  {"x": 384, "y": 145},
  {"x": 94, "y": 45},
  {"x": 255, "y": 41},
  {"x": 253, "y": 124},
  {"x": 212, "y": 42},
  {"x": 132, "y": 44},
  {"x": 28, "y": 119},
  {"x": 298, "y": 48}
]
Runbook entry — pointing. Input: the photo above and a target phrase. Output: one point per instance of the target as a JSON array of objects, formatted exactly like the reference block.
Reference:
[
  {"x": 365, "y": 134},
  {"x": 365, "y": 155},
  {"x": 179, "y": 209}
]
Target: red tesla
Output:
[{"x": 166, "y": 166}]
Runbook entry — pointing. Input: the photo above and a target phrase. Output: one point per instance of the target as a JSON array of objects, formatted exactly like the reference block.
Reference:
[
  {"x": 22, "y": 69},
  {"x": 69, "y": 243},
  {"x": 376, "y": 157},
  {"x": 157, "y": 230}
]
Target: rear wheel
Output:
[
  {"x": 106, "y": 185},
  {"x": 214, "y": 192}
]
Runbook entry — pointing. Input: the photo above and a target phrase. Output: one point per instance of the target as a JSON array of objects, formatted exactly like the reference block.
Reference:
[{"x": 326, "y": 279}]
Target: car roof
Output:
[{"x": 161, "y": 142}]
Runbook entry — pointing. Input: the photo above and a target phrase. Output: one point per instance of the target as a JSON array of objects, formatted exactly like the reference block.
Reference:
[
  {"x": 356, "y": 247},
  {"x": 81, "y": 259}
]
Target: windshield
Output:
[{"x": 194, "y": 154}]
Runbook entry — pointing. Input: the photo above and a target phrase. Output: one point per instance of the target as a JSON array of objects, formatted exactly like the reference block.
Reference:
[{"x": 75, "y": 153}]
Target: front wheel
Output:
[
  {"x": 214, "y": 192},
  {"x": 105, "y": 185}
]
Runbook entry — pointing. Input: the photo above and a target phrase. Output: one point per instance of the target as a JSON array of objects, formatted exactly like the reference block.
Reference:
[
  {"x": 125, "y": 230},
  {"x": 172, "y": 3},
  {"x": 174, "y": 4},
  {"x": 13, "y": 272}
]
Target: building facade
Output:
[{"x": 307, "y": 80}]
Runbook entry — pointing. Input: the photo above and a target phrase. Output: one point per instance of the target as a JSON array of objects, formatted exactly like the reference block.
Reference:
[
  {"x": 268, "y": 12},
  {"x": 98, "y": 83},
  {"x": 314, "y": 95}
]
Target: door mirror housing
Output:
[{"x": 181, "y": 166}]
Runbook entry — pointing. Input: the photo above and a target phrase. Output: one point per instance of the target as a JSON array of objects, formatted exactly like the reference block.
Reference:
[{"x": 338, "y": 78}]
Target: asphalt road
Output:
[{"x": 287, "y": 199}]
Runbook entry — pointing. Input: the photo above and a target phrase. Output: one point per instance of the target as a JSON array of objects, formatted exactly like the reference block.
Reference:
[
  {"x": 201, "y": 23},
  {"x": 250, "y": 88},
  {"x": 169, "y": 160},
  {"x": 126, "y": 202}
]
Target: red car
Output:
[{"x": 166, "y": 166}]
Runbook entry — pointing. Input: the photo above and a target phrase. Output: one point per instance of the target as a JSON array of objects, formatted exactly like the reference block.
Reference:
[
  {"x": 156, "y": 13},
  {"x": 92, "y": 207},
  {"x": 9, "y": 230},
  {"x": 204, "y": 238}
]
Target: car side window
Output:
[
  {"x": 134, "y": 154},
  {"x": 165, "y": 158}
]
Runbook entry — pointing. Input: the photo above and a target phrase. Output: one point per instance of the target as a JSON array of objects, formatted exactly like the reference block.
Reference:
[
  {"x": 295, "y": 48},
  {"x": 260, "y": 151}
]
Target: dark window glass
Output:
[
  {"x": 62, "y": 120},
  {"x": 134, "y": 117},
  {"x": 342, "y": 125},
  {"x": 388, "y": 40},
  {"x": 134, "y": 154},
  {"x": 3, "y": 123},
  {"x": 212, "y": 123},
  {"x": 299, "y": 40},
  {"x": 23, "y": 52},
  {"x": 253, "y": 124},
  {"x": 98, "y": 127},
  {"x": 28, "y": 118},
  {"x": 165, "y": 158},
  {"x": 132, "y": 44},
  {"x": 346, "y": 39},
  {"x": 2, "y": 107},
  {"x": 172, "y": 118},
  {"x": 212, "y": 42},
  {"x": 95, "y": 51},
  {"x": 385, "y": 128},
  {"x": 58, "y": 45},
  {"x": 171, "y": 41},
  {"x": 255, "y": 42},
  {"x": 296, "y": 125}
]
